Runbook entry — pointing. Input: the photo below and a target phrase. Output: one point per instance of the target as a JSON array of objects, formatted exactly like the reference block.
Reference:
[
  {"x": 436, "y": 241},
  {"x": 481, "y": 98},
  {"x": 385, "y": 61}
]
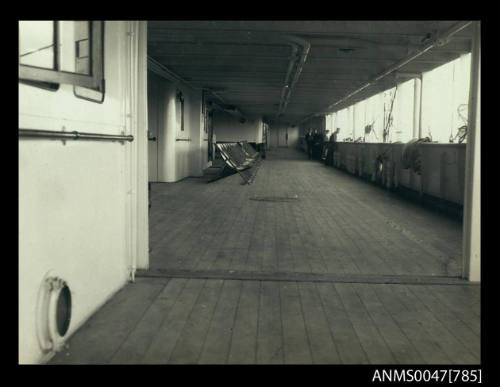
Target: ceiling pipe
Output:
[
  {"x": 439, "y": 40},
  {"x": 164, "y": 72},
  {"x": 287, "y": 89},
  {"x": 234, "y": 111},
  {"x": 291, "y": 64}
]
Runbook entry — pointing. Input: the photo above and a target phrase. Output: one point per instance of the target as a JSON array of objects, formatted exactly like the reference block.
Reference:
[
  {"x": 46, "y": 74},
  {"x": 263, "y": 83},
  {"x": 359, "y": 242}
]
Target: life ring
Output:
[{"x": 53, "y": 313}]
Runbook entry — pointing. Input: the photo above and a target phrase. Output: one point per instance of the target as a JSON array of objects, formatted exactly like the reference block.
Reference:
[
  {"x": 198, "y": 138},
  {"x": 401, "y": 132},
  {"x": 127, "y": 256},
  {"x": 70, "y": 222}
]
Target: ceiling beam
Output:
[{"x": 302, "y": 26}]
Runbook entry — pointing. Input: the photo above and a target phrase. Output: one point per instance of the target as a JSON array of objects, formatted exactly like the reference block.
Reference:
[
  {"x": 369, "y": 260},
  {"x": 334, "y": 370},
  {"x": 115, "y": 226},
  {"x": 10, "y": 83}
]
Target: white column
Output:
[
  {"x": 354, "y": 121},
  {"x": 136, "y": 125},
  {"x": 142, "y": 245},
  {"x": 195, "y": 133},
  {"x": 472, "y": 197},
  {"x": 417, "y": 94},
  {"x": 166, "y": 136}
]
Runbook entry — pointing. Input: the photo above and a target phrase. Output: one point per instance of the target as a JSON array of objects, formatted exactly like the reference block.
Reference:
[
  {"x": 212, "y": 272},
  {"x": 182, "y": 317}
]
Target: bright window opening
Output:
[
  {"x": 389, "y": 116},
  {"x": 445, "y": 96}
]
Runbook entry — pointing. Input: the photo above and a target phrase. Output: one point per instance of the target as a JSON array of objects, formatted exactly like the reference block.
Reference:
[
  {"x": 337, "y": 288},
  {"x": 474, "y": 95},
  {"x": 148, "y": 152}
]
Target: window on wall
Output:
[
  {"x": 373, "y": 125},
  {"x": 388, "y": 104},
  {"x": 329, "y": 123},
  {"x": 402, "y": 120},
  {"x": 359, "y": 119},
  {"x": 343, "y": 122},
  {"x": 375, "y": 119},
  {"x": 55, "y": 52},
  {"x": 389, "y": 116},
  {"x": 445, "y": 97}
]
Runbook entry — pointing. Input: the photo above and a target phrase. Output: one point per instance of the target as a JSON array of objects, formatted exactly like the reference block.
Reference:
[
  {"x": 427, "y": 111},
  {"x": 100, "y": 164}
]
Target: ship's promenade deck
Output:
[{"x": 306, "y": 265}]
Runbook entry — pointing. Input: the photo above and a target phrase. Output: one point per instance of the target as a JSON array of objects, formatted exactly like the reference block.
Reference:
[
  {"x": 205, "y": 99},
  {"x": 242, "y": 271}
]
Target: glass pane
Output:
[
  {"x": 403, "y": 112},
  {"x": 74, "y": 46},
  {"x": 437, "y": 96},
  {"x": 36, "y": 43}
]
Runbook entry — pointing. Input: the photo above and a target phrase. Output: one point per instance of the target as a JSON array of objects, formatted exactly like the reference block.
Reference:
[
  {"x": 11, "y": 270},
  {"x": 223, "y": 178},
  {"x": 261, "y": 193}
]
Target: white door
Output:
[{"x": 153, "y": 114}]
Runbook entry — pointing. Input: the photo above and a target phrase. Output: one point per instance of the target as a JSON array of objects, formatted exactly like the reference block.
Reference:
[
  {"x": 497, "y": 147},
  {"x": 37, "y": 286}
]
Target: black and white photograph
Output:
[{"x": 259, "y": 192}]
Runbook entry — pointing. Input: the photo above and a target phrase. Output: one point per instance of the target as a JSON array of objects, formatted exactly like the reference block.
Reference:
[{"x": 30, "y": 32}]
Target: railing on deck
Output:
[
  {"x": 74, "y": 135},
  {"x": 441, "y": 174}
]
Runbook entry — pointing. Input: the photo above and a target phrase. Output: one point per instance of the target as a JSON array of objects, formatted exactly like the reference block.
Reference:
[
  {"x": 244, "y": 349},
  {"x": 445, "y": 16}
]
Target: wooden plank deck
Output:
[
  {"x": 197, "y": 321},
  {"x": 338, "y": 224},
  {"x": 344, "y": 274}
]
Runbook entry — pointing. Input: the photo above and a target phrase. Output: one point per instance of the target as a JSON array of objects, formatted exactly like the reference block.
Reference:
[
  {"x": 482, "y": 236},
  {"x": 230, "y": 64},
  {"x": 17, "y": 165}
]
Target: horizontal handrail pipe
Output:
[{"x": 59, "y": 135}]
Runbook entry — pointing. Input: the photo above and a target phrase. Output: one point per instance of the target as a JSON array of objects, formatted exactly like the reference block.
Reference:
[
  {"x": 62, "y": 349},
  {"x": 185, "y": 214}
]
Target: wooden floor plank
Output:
[
  {"x": 370, "y": 337},
  {"x": 244, "y": 337},
  {"x": 436, "y": 330},
  {"x": 208, "y": 258},
  {"x": 408, "y": 321},
  {"x": 103, "y": 334},
  {"x": 295, "y": 340},
  {"x": 239, "y": 258},
  {"x": 137, "y": 343},
  {"x": 403, "y": 350},
  {"x": 218, "y": 340},
  {"x": 270, "y": 336},
  {"x": 448, "y": 318},
  {"x": 466, "y": 306},
  {"x": 187, "y": 350},
  {"x": 345, "y": 337},
  {"x": 323, "y": 349},
  {"x": 162, "y": 345}
]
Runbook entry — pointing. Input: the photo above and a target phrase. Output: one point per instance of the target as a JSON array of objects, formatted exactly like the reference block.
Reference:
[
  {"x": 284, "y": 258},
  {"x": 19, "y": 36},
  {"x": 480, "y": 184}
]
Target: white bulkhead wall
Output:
[
  {"x": 188, "y": 152},
  {"x": 281, "y": 135},
  {"x": 81, "y": 211},
  {"x": 181, "y": 153},
  {"x": 229, "y": 128}
]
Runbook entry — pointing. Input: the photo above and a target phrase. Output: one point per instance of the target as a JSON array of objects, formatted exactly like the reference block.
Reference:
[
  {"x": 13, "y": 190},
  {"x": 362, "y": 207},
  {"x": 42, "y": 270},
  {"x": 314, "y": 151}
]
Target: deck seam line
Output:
[
  {"x": 233, "y": 325},
  {"x": 305, "y": 325},
  {"x": 305, "y": 277}
]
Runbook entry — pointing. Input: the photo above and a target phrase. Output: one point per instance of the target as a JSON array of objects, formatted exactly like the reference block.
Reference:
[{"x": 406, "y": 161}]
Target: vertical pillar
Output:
[
  {"x": 472, "y": 197},
  {"x": 166, "y": 134},
  {"x": 195, "y": 130},
  {"x": 353, "y": 121},
  {"x": 137, "y": 125},
  {"x": 142, "y": 245},
  {"x": 417, "y": 103}
]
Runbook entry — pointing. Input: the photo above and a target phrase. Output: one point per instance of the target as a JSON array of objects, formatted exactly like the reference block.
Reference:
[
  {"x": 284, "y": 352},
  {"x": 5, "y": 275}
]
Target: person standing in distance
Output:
[{"x": 309, "y": 142}]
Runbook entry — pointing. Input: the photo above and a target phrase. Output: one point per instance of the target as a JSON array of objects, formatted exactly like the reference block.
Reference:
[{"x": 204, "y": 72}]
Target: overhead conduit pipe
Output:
[
  {"x": 294, "y": 41},
  {"x": 287, "y": 89},
  {"x": 439, "y": 40},
  {"x": 291, "y": 64},
  {"x": 166, "y": 73}
]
